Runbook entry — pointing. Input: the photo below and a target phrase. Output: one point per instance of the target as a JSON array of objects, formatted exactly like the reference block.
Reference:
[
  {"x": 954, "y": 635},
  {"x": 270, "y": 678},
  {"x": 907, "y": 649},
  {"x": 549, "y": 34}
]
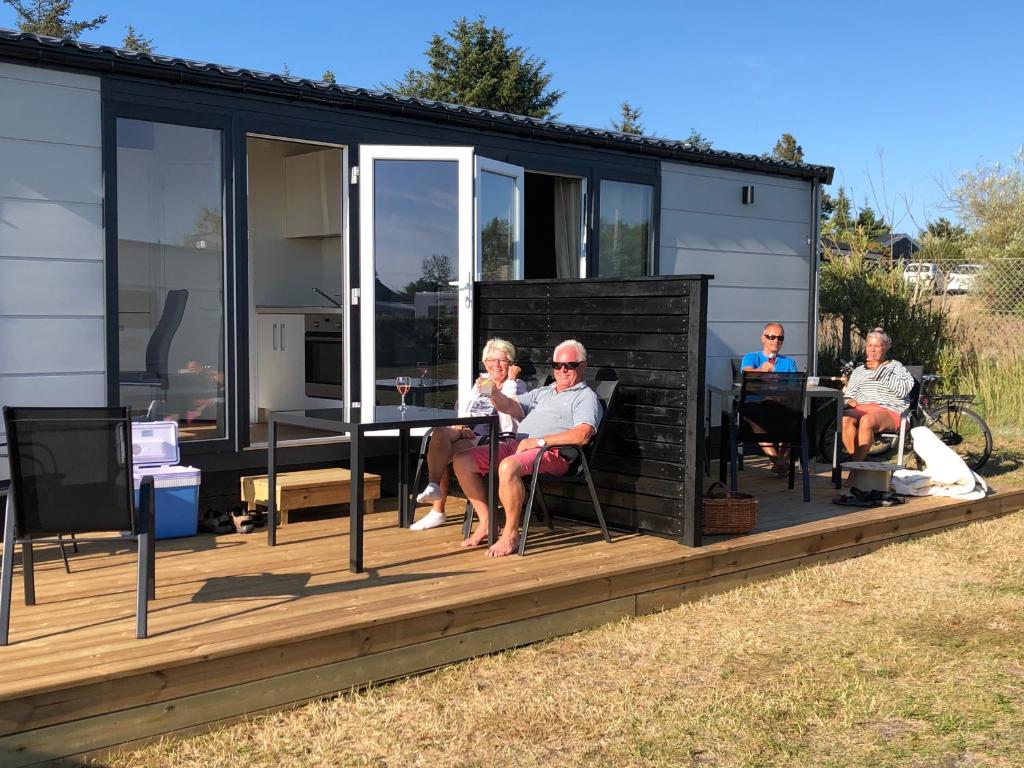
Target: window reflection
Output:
[
  {"x": 416, "y": 251},
  {"x": 625, "y": 229},
  {"x": 170, "y": 274},
  {"x": 496, "y": 216}
]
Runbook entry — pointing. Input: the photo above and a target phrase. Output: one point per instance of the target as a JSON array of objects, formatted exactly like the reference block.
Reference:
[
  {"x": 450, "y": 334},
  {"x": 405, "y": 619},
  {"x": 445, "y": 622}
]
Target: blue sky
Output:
[{"x": 898, "y": 96}]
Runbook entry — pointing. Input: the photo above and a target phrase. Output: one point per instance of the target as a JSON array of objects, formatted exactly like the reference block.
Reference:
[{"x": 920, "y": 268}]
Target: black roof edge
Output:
[{"x": 77, "y": 55}]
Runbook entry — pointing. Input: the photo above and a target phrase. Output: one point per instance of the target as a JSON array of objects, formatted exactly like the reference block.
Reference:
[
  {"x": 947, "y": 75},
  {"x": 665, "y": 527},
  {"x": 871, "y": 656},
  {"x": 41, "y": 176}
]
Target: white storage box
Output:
[{"x": 155, "y": 452}]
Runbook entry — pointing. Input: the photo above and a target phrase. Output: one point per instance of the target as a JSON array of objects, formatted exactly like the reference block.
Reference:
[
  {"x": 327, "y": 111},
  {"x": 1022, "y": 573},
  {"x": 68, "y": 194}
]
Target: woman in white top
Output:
[
  {"x": 877, "y": 396},
  {"x": 445, "y": 442}
]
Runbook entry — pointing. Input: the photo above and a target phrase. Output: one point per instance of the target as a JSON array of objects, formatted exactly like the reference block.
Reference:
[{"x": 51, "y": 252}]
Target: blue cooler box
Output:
[{"x": 155, "y": 452}]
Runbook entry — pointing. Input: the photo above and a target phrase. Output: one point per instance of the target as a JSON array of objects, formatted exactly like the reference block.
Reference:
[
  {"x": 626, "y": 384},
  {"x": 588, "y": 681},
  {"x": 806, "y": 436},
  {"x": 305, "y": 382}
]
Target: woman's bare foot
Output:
[
  {"x": 505, "y": 545},
  {"x": 478, "y": 537}
]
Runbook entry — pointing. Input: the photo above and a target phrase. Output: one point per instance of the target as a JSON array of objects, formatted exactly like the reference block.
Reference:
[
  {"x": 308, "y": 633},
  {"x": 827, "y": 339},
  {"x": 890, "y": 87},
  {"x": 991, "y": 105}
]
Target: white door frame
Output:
[
  {"x": 465, "y": 272},
  {"x": 518, "y": 174}
]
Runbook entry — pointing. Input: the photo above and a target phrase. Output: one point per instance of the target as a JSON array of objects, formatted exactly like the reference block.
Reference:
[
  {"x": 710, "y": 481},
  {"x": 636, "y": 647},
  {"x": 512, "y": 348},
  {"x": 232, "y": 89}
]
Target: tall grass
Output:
[{"x": 998, "y": 385}]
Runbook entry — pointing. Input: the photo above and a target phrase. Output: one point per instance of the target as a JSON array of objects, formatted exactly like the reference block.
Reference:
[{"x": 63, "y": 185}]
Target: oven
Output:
[{"x": 324, "y": 363}]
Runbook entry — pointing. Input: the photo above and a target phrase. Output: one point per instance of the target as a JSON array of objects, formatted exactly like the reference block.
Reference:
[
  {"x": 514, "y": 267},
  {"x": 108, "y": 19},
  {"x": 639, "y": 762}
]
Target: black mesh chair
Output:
[
  {"x": 159, "y": 347},
  {"x": 71, "y": 472},
  {"x": 770, "y": 409},
  {"x": 579, "y": 469}
]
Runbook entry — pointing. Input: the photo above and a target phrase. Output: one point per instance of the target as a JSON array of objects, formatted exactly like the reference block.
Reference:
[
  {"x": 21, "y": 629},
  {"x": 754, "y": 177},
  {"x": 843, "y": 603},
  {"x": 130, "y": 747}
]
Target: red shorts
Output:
[
  {"x": 865, "y": 408},
  {"x": 551, "y": 464}
]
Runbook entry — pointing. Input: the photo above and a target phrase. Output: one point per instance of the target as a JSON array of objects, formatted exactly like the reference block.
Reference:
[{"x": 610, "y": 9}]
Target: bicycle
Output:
[{"x": 948, "y": 416}]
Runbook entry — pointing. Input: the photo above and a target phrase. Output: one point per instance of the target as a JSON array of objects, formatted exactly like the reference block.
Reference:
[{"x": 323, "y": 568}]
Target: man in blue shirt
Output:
[{"x": 769, "y": 359}]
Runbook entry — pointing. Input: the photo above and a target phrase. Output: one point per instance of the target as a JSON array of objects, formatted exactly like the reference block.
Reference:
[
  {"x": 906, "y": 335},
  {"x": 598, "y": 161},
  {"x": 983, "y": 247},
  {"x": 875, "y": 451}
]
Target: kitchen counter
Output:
[{"x": 278, "y": 310}]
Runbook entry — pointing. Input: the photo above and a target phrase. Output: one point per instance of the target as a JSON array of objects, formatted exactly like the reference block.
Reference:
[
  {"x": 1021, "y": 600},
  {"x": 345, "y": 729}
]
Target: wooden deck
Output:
[{"x": 239, "y": 627}]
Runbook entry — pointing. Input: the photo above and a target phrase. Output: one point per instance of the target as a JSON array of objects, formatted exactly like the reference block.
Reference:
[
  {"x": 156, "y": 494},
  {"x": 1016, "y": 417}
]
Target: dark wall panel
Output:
[{"x": 649, "y": 335}]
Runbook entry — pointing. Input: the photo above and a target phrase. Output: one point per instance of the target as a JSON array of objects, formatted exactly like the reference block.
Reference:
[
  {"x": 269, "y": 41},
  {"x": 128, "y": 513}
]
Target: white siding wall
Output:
[
  {"x": 759, "y": 255},
  {"x": 51, "y": 240}
]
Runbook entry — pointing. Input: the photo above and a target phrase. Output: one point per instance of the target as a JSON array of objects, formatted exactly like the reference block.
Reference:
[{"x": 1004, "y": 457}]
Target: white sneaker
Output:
[
  {"x": 432, "y": 519},
  {"x": 430, "y": 494}
]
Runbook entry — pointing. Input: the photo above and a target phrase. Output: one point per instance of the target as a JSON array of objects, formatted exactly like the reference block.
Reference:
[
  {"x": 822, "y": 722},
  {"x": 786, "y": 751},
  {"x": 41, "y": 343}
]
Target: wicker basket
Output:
[{"x": 728, "y": 511}]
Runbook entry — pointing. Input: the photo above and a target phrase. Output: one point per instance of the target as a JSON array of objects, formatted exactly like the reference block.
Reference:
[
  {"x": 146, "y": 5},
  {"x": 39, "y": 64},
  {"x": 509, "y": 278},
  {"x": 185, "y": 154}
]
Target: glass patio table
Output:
[{"x": 387, "y": 418}]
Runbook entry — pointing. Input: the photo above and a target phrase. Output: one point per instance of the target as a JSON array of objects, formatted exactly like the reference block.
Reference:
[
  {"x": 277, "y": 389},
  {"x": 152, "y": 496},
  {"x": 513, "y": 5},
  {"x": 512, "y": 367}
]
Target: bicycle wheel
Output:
[{"x": 964, "y": 431}]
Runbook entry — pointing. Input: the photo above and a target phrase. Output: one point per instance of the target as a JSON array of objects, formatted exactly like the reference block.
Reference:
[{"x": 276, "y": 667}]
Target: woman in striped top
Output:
[{"x": 877, "y": 396}]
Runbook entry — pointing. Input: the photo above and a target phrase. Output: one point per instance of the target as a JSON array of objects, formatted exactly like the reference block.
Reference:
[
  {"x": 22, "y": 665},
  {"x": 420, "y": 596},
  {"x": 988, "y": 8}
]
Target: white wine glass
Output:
[{"x": 403, "y": 384}]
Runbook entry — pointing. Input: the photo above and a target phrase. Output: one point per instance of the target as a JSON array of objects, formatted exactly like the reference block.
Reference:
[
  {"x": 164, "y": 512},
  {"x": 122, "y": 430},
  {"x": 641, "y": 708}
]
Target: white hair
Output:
[
  {"x": 881, "y": 335},
  {"x": 497, "y": 345},
  {"x": 575, "y": 346}
]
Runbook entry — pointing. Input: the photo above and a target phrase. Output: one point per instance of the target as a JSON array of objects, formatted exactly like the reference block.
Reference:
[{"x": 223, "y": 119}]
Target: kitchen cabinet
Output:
[
  {"x": 281, "y": 362},
  {"x": 313, "y": 194}
]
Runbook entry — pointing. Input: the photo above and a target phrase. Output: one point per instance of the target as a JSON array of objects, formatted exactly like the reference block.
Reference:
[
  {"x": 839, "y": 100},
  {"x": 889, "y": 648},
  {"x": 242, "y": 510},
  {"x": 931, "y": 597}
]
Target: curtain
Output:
[{"x": 567, "y": 195}]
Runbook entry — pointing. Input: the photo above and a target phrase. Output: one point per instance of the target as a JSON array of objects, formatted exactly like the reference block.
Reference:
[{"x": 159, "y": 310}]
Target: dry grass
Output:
[{"x": 911, "y": 656}]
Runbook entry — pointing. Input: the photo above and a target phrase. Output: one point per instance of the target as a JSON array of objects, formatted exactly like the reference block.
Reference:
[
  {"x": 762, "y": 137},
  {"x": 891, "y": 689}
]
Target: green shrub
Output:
[{"x": 857, "y": 294}]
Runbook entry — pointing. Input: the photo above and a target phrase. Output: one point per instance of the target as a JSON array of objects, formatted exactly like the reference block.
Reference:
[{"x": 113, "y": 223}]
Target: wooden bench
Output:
[{"x": 309, "y": 488}]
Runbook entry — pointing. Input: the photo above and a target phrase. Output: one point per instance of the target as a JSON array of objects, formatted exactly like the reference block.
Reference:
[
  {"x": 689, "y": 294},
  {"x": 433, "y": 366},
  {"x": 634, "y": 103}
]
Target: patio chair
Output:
[
  {"x": 770, "y": 409},
  {"x": 917, "y": 371},
  {"x": 579, "y": 469},
  {"x": 159, "y": 346},
  {"x": 71, "y": 472}
]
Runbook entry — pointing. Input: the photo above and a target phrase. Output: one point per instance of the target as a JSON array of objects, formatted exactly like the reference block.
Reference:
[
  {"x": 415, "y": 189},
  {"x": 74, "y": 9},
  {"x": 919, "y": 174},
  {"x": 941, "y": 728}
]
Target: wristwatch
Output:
[{"x": 541, "y": 442}]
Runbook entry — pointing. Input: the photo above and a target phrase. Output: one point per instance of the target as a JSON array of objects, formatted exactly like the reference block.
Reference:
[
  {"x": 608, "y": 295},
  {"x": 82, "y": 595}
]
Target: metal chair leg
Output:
[
  {"x": 733, "y": 448},
  {"x": 63, "y": 552},
  {"x": 145, "y": 576},
  {"x": 544, "y": 507},
  {"x": 28, "y": 563},
  {"x": 7, "y": 571},
  {"x": 528, "y": 511},
  {"x": 424, "y": 443},
  {"x": 593, "y": 497}
]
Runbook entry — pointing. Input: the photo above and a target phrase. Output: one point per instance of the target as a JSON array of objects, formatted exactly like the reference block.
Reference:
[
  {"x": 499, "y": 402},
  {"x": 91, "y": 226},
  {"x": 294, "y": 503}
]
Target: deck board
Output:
[{"x": 240, "y": 627}]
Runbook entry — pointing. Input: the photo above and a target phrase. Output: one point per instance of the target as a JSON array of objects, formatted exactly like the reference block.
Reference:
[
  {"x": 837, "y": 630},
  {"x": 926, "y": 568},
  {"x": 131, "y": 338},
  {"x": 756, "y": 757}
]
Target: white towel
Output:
[{"x": 944, "y": 474}]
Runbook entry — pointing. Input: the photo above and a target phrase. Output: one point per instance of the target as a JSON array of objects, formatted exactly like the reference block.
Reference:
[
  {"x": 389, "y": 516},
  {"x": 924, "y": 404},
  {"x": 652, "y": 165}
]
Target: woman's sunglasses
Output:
[
  {"x": 567, "y": 366},
  {"x": 773, "y": 337}
]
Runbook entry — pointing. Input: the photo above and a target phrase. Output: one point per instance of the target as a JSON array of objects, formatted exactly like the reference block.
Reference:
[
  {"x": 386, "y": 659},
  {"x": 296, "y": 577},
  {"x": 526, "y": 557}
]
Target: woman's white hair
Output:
[
  {"x": 881, "y": 335},
  {"x": 579, "y": 349},
  {"x": 495, "y": 346}
]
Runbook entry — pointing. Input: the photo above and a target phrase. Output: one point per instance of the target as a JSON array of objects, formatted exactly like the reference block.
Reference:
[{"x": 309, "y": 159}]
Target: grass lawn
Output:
[{"x": 910, "y": 656}]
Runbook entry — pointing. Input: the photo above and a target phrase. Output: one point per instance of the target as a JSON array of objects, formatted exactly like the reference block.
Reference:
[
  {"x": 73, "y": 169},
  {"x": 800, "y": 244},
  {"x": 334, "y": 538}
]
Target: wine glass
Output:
[
  {"x": 403, "y": 384},
  {"x": 424, "y": 366}
]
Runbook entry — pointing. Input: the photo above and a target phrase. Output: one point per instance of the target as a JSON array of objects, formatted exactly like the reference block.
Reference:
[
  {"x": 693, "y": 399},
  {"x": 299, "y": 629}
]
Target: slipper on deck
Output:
[{"x": 213, "y": 521}]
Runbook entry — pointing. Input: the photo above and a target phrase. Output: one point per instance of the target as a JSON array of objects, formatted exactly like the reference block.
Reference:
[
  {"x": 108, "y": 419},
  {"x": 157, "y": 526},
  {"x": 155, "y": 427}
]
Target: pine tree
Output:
[
  {"x": 328, "y": 76},
  {"x": 475, "y": 66},
  {"x": 50, "y": 17},
  {"x": 134, "y": 41},
  {"x": 787, "y": 149},
  {"x": 629, "y": 121}
]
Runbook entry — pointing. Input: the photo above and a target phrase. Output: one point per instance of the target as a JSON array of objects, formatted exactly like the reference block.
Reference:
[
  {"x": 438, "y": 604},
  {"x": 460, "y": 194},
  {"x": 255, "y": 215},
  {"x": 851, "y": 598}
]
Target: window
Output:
[
  {"x": 170, "y": 275},
  {"x": 626, "y": 227}
]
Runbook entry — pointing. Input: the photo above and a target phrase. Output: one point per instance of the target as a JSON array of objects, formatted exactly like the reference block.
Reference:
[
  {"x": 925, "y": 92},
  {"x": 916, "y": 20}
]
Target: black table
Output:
[{"x": 387, "y": 417}]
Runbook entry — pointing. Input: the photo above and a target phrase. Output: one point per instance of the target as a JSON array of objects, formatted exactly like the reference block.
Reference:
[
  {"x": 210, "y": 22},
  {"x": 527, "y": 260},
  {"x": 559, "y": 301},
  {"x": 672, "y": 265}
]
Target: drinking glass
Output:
[
  {"x": 403, "y": 384},
  {"x": 424, "y": 367}
]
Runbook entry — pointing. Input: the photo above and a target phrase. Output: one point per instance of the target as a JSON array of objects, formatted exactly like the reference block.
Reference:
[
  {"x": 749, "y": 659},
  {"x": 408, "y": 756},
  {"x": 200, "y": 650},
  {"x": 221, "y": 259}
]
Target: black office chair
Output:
[
  {"x": 159, "y": 347},
  {"x": 770, "y": 409},
  {"x": 579, "y": 469},
  {"x": 71, "y": 472}
]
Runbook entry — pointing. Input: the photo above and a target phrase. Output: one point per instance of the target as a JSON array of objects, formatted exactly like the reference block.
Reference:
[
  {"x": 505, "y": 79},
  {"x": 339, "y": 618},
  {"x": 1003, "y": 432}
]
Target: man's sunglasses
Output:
[
  {"x": 567, "y": 366},
  {"x": 773, "y": 337}
]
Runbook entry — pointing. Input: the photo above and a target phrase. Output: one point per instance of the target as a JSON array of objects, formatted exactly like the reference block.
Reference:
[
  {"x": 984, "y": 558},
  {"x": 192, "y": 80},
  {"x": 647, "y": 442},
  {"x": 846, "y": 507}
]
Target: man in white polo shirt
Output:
[{"x": 565, "y": 413}]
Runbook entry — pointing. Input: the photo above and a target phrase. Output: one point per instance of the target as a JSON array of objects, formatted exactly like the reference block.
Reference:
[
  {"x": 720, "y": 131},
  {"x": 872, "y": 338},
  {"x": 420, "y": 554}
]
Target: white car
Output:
[
  {"x": 925, "y": 273},
  {"x": 961, "y": 278}
]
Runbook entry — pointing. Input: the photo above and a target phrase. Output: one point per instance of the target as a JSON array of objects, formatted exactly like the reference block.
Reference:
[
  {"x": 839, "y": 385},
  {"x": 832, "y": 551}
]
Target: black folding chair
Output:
[
  {"x": 71, "y": 472},
  {"x": 421, "y": 463},
  {"x": 900, "y": 436},
  {"x": 770, "y": 409},
  {"x": 579, "y": 469}
]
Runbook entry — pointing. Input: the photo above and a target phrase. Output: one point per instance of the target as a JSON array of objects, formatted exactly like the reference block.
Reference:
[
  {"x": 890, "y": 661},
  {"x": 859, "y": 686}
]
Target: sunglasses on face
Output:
[
  {"x": 773, "y": 337},
  {"x": 567, "y": 366}
]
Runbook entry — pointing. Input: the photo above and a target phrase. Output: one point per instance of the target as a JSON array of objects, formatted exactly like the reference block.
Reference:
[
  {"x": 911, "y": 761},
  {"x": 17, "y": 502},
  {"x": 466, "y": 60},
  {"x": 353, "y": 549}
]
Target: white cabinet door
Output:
[
  {"x": 281, "y": 362},
  {"x": 313, "y": 194}
]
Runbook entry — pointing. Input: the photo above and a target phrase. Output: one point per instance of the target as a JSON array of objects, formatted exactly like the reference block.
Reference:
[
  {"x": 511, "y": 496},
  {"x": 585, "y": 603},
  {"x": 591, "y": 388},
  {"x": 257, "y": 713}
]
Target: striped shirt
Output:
[{"x": 888, "y": 385}]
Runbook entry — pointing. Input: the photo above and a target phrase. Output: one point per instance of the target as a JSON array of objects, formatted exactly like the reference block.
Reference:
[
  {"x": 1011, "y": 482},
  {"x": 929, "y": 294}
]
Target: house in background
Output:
[
  {"x": 902, "y": 247},
  {"x": 163, "y": 224}
]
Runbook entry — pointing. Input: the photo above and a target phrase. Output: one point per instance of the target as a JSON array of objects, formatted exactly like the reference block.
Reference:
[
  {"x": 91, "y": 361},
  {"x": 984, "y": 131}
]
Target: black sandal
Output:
[{"x": 216, "y": 522}]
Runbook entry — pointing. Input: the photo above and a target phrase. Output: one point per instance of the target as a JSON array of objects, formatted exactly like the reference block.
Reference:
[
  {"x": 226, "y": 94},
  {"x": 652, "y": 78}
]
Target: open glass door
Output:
[
  {"x": 499, "y": 220},
  {"x": 416, "y": 273}
]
